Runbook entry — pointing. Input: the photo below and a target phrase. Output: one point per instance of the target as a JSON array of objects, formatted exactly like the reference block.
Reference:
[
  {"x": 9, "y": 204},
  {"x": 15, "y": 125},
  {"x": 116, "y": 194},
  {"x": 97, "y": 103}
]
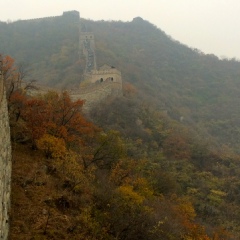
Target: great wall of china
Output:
[
  {"x": 5, "y": 164},
  {"x": 101, "y": 83}
]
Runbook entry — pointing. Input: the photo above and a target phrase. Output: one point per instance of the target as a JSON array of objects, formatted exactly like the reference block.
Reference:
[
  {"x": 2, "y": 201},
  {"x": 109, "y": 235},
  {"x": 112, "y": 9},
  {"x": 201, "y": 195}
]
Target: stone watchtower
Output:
[
  {"x": 108, "y": 74},
  {"x": 5, "y": 163}
]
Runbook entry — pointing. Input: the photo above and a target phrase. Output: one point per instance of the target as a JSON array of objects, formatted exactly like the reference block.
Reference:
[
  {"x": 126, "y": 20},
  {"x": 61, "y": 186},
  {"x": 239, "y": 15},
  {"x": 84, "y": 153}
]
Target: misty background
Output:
[{"x": 210, "y": 26}]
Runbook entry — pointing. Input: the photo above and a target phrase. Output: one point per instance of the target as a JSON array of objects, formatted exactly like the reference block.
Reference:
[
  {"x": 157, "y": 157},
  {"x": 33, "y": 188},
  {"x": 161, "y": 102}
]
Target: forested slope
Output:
[
  {"x": 197, "y": 88},
  {"x": 200, "y": 89},
  {"x": 169, "y": 146}
]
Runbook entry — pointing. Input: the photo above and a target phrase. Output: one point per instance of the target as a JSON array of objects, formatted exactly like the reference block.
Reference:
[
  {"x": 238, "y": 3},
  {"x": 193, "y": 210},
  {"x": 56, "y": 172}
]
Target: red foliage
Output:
[{"x": 58, "y": 115}]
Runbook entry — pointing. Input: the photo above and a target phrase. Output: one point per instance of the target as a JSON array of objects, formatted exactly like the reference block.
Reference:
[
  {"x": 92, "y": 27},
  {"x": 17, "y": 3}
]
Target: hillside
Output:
[
  {"x": 46, "y": 46},
  {"x": 74, "y": 180},
  {"x": 162, "y": 159},
  {"x": 199, "y": 89}
]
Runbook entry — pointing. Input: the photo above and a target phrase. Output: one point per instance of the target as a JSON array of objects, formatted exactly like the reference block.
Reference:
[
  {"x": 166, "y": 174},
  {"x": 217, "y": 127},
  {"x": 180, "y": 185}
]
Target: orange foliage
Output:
[
  {"x": 11, "y": 75},
  {"x": 57, "y": 115},
  {"x": 122, "y": 172},
  {"x": 177, "y": 146},
  {"x": 36, "y": 115},
  {"x": 66, "y": 120},
  {"x": 15, "y": 104},
  {"x": 7, "y": 66},
  {"x": 185, "y": 213}
]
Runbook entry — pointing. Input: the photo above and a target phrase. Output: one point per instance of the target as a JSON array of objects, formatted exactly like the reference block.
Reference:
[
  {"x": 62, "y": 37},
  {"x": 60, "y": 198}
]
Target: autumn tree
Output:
[
  {"x": 36, "y": 114},
  {"x": 177, "y": 146},
  {"x": 57, "y": 115},
  {"x": 107, "y": 149},
  {"x": 13, "y": 75},
  {"x": 66, "y": 119},
  {"x": 53, "y": 147}
]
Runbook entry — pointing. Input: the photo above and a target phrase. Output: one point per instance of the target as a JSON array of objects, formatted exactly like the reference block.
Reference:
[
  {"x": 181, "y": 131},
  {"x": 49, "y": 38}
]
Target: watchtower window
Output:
[
  {"x": 101, "y": 80},
  {"x": 112, "y": 79}
]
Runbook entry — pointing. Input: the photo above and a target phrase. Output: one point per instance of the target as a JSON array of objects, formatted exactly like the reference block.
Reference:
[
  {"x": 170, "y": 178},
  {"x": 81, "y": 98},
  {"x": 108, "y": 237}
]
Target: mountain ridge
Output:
[{"x": 188, "y": 84}]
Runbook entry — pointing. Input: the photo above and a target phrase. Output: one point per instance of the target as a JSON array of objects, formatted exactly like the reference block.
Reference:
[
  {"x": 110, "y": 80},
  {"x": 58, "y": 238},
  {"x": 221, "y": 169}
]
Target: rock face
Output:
[{"x": 5, "y": 165}]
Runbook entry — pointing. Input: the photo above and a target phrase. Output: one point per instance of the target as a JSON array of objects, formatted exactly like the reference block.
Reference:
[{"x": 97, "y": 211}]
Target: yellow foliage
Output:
[
  {"x": 142, "y": 186},
  {"x": 216, "y": 196},
  {"x": 218, "y": 193},
  {"x": 89, "y": 228},
  {"x": 52, "y": 146},
  {"x": 130, "y": 196},
  {"x": 74, "y": 171},
  {"x": 186, "y": 208}
]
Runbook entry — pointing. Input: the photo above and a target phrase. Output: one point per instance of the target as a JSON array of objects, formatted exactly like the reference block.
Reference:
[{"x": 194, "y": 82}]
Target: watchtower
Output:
[{"x": 106, "y": 73}]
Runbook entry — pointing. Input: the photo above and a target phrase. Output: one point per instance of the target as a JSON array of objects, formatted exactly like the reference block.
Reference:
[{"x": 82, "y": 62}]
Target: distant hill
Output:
[
  {"x": 196, "y": 89},
  {"x": 49, "y": 46}
]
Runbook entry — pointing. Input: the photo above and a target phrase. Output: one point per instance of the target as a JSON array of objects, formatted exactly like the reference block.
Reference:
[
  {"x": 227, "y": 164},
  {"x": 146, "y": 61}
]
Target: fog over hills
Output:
[{"x": 200, "y": 89}]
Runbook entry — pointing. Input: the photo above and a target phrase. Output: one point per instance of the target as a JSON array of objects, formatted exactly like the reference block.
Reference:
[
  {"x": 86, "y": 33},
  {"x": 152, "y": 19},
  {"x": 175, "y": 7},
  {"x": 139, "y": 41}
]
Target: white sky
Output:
[{"x": 212, "y": 26}]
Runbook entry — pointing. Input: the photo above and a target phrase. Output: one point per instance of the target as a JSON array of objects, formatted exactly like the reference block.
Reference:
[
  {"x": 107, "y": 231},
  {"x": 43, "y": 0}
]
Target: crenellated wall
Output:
[{"x": 5, "y": 165}]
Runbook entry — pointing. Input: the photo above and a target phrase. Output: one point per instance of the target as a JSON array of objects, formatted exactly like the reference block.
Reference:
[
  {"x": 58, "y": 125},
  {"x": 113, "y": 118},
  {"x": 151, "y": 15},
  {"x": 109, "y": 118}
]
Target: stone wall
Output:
[
  {"x": 74, "y": 15},
  {"x": 5, "y": 165},
  {"x": 87, "y": 48},
  {"x": 95, "y": 93}
]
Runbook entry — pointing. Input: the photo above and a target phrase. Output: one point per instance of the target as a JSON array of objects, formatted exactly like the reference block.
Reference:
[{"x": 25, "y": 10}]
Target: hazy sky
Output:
[{"x": 209, "y": 25}]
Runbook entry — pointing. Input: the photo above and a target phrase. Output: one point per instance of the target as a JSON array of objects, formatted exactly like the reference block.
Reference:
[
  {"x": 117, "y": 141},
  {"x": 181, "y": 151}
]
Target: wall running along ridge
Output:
[
  {"x": 5, "y": 164},
  {"x": 95, "y": 93}
]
